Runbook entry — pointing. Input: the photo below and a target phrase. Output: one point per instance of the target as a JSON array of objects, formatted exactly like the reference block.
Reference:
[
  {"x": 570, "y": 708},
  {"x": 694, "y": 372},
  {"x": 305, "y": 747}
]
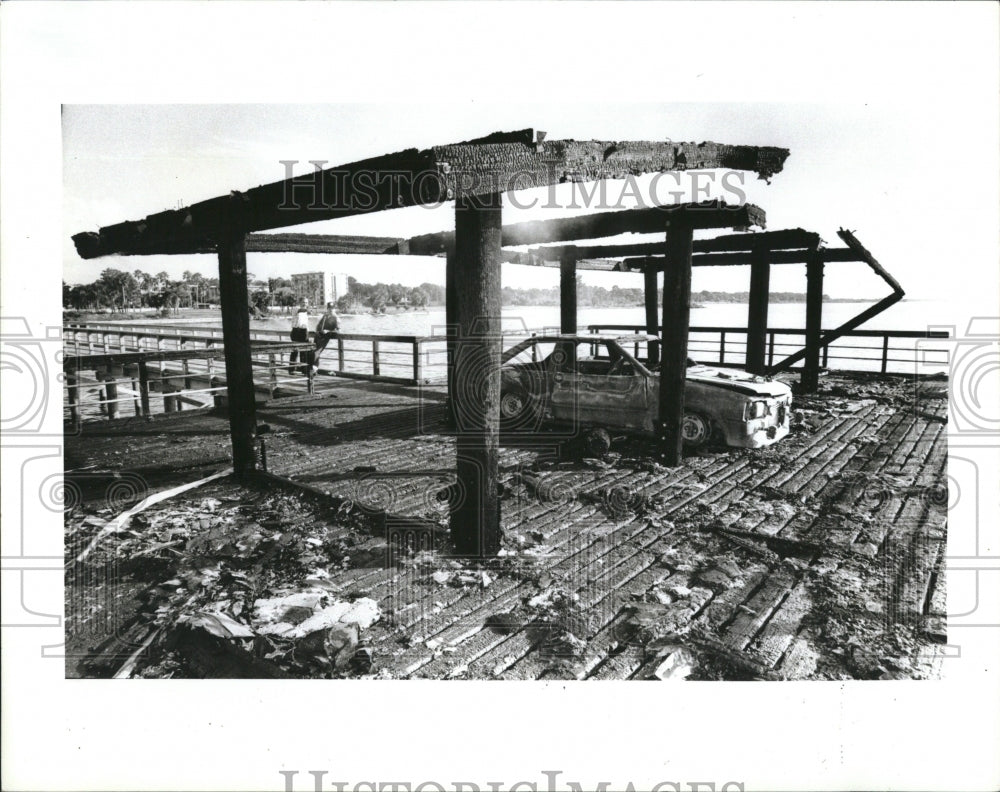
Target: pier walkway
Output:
[{"x": 820, "y": 557}]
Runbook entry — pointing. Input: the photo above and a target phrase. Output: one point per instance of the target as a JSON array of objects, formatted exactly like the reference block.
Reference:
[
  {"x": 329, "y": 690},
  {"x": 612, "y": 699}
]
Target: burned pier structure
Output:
[{"x": 474, "y": 174}]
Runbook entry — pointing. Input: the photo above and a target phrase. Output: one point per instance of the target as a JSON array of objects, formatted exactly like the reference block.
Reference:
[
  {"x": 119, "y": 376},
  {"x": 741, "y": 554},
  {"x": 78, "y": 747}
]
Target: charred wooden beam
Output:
[
  {"x": 858, "y": 252},
  {"x": 862, "y": 254},
  {"x": 326, "y": 243},
  {"x": 783, "y": 239},
  {"x": 475, "y": 515},
  {"x": 638, "y": 263},
  {"x": 474, "y": 169},
  {"x": 707, "y": 214}
]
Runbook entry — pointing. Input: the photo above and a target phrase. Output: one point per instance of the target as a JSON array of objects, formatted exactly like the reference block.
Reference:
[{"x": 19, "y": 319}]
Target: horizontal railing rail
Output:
[
  {"x": 104, "y": 385},
  {"x": 726, "y": 346}
]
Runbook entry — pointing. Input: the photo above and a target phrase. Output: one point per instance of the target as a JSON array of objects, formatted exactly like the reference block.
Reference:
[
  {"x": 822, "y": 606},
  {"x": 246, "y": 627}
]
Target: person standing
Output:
[
  {"x": 326, "y": 328},
  {"x": 300, "y": 332}
]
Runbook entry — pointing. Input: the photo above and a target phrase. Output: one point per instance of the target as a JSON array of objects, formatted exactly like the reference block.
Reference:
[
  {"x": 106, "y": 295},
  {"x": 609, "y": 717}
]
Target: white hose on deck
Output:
[{"x": 122, "y": 520}]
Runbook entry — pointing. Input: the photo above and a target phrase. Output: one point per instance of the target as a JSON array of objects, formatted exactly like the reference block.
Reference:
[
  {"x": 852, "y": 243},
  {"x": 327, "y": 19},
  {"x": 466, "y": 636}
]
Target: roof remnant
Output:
[{"x": 498, "y": 163}]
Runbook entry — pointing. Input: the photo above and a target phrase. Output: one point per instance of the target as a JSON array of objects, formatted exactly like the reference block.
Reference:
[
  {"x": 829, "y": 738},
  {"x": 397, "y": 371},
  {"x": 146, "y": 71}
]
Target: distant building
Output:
[{"x": 319, "y": 288}]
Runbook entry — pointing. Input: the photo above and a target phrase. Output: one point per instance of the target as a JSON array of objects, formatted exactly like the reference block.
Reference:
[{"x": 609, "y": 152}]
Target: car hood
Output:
[{"x": 739, "y": 381}]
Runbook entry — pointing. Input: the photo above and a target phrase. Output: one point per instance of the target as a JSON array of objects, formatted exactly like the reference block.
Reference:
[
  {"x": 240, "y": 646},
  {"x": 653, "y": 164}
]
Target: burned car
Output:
[{"x": 596, "y": 381}]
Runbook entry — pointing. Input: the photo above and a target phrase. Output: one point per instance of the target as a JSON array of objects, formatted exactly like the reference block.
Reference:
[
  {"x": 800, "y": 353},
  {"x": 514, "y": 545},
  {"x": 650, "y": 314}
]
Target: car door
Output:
[{"x": 590, "y": 389}]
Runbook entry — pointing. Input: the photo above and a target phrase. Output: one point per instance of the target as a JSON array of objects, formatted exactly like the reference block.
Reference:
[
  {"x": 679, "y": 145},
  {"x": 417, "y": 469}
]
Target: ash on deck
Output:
[{"x": 820, "y": 557}]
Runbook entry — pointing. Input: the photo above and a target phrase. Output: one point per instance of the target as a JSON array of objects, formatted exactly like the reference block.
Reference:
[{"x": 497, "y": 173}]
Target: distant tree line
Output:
[
  {"x": 617, "y": 297},
  {"x": 124, "y": 291},
  {"x": 379, "y": 296}
]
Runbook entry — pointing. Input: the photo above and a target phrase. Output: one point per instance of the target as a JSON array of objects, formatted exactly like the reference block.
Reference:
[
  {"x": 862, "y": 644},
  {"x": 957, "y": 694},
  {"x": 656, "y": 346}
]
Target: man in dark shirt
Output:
[{"x": 326, "y": 329}]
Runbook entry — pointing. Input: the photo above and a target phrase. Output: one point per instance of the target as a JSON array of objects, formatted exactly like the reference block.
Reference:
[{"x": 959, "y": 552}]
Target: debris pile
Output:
[{"x": 240, "y": 584}]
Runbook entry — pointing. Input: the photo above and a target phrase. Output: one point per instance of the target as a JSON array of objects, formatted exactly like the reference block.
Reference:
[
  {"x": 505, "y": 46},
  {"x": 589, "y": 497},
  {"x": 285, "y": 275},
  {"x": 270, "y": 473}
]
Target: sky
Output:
[{"x": 874, "y": 168}]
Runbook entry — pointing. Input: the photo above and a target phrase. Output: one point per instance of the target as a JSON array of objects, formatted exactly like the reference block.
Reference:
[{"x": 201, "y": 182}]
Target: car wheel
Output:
[
  {"x": 696, "y": 430},
  {"x": 597, "y": 443},
  {"x": 516, "y": 410}
]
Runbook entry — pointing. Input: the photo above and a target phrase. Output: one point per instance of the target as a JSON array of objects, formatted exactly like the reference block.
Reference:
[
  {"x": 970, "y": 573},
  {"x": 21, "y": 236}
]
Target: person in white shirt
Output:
[{"x": 300, "y": 332}]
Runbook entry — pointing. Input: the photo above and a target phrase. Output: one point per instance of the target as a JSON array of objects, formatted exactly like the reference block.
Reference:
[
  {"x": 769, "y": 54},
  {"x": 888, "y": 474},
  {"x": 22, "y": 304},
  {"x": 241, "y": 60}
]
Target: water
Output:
[
  {"x": 914, "y": 315},
  {"x": 905, "y": 315}
]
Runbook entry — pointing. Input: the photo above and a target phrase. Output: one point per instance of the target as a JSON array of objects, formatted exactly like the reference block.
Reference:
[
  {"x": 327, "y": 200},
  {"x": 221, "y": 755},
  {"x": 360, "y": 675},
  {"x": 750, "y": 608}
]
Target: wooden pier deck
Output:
[{"x": 820, "y": 557}]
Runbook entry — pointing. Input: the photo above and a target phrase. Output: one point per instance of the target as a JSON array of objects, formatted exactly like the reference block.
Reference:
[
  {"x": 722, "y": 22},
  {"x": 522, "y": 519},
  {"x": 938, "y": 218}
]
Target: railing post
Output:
[
  {"x": 770, "y": 350},
  {"x": 111, "y": 389},
  {"x": 417, "y": 375},
  {"x": 722, "y": 347},
  {"x": 130, "y": 372},
  {"x": 72, "y": 390},
  {"x": 340, "y": 354},
  {"x": 375, "y": 360},
  {"x": 144, "y": 387},
  {"x": 272, "y": 379},
  {"x": 885, "y": 353}
]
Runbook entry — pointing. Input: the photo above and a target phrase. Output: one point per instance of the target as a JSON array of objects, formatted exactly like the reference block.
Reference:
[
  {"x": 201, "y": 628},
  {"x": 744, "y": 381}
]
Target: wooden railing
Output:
[{"x": 726, "y": 346}]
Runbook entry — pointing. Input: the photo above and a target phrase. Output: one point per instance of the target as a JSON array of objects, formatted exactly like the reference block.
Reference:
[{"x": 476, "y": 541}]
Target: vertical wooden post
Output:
[
  {"x": 567, "y": 290},
  {"x": 340, "y": 354},
  {"x": 72, "y": 390},
  {"x": 652, "y": 321},
  {"x": 676, "y": 318},
  {"x": 111, "y": 389},
  {"x": 144, "y": 387},
  {"x": 451, "y": 327},
  {"x": 760, "y": 283},
  {"x": 417, "y": 375},
  {"x": 132, "y": 371},
  {"x": 376, "y": 364},
  {"x": 814, "y": 323},
  {"x": 885, "y": 353},
  {"x": 236, "y": 339},
  {"x": 475, "y": 516}
]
